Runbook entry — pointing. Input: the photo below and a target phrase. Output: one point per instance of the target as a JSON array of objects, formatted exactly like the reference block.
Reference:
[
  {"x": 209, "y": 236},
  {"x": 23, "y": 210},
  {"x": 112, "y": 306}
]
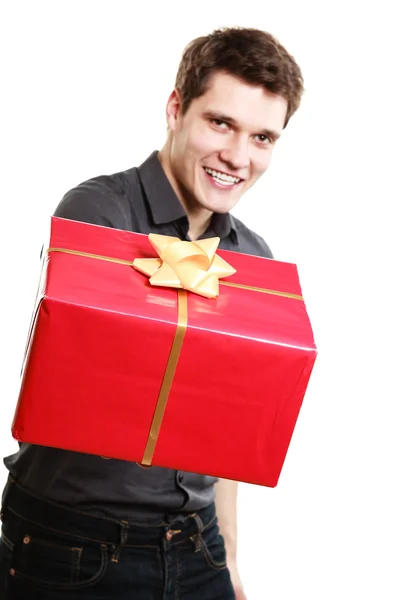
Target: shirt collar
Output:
[{"x": 164, "y": 203}]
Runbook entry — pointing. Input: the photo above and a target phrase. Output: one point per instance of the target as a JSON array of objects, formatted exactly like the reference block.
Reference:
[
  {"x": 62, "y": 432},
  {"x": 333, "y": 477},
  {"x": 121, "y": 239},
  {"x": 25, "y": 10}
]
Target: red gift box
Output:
[{"x": 102, "y": 345}]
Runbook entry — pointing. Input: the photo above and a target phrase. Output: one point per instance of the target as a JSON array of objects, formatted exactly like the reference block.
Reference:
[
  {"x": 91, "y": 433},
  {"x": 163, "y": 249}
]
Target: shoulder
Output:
[
  {"x": 250, "y": 242},
  {"x": 102, "y": 200}
]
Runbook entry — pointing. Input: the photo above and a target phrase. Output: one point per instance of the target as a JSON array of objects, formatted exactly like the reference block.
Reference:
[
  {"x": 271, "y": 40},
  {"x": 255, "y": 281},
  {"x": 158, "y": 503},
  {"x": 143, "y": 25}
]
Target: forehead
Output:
[{"x": 252, "y": 106}]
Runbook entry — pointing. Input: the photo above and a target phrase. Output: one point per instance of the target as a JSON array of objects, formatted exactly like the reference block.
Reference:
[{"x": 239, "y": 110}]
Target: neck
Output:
[{"x": 199, "y": 218}]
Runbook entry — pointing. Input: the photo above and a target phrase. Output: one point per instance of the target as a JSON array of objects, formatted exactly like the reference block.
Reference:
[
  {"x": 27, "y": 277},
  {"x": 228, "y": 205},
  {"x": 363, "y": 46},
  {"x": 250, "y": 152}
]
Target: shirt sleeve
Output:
[{"x": 92, "y": 202}]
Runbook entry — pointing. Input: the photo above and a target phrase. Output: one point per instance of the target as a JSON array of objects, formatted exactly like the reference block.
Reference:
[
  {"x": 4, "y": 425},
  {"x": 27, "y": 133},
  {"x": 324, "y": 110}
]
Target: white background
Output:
[{"x": 84, "y": 86}]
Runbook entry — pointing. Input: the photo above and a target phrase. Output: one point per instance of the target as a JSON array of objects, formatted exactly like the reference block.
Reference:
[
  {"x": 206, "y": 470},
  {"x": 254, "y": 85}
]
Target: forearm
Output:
[{"x": 226, "y": 504}]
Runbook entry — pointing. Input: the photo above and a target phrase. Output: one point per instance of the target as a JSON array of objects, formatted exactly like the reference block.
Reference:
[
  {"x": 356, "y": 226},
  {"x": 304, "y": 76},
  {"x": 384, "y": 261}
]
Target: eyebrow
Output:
[{"x": 210, "y": 114}]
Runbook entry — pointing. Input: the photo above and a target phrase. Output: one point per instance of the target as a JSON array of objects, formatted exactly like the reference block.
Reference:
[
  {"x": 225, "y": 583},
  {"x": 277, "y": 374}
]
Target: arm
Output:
[{"x": 226, "y": 504}]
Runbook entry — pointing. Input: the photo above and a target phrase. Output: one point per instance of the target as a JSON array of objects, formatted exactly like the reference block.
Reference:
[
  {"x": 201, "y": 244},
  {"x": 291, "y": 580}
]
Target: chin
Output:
[
  {"x": 222, "y": 207},
  {"x": 221, "y": 210}
]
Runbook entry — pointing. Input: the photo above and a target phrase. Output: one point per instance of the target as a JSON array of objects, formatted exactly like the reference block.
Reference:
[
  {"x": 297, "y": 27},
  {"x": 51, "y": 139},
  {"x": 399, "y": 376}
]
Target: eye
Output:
[
  {"x": 219, "y": 123},
  {"x": 263, "y": 139}
]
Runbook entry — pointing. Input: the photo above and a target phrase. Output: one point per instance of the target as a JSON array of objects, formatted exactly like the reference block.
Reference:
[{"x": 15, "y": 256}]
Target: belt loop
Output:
[
  {"x": 199, "y": 523},
  {"x": 197, "y": 538},
  {"x": 123, "y": 536}
]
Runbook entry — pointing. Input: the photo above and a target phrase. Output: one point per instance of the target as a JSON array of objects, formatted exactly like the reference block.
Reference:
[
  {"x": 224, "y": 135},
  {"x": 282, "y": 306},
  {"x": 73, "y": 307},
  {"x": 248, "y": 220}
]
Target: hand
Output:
[
  {"x": 239, "y": 594},
  {"x": 236, "y": 581}
]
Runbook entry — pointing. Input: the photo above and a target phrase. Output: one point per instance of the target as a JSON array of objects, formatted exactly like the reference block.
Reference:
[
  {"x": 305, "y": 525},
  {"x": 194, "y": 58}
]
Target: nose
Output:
[{"x": 236, "y": 153}]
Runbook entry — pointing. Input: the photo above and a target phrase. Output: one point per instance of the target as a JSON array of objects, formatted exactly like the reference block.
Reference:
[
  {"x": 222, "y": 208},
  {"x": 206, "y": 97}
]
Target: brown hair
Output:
[{"x": 254, "y": 56}]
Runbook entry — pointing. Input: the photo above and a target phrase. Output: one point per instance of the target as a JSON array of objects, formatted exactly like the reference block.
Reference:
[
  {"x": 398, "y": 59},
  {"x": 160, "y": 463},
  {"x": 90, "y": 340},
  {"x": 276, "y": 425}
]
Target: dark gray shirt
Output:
[{"x": 140, "y": 200}]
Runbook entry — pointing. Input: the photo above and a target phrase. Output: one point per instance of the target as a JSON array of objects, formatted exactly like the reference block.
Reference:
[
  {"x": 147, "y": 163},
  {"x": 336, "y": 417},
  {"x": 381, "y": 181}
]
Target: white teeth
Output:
[{"x": 221, "y": 177}]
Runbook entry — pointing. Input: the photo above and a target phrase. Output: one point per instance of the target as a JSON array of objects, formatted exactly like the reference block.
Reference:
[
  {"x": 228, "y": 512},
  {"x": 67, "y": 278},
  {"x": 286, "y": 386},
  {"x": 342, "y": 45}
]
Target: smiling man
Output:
[
  {"x": 78, "y": 526},
  {"x": 220, "y": 145}
]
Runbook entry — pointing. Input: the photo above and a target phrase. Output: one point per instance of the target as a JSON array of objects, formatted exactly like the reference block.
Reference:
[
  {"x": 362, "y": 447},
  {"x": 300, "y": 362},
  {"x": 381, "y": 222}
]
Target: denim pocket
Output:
[
  {"x": 213, "y": 547},
  {"x": 55, "y": 562}
]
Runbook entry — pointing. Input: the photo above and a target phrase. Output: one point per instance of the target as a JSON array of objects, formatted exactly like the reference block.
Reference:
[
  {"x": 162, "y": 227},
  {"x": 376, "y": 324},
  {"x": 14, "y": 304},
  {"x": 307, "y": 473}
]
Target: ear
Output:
[{"x": 173, "y": 109}]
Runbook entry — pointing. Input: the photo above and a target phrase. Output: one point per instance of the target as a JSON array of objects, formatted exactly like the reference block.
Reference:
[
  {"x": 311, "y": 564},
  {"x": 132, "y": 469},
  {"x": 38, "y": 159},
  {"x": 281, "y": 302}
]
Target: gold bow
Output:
[{"x": 191, "y": 266}]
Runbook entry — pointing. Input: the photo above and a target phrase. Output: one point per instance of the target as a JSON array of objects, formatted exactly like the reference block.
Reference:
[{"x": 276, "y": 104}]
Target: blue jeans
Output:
[{"x": 49, "y": 552}]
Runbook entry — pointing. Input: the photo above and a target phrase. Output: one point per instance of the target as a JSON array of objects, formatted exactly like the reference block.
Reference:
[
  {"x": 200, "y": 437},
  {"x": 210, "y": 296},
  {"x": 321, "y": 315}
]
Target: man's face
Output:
[{"x": 224, "y": 142}]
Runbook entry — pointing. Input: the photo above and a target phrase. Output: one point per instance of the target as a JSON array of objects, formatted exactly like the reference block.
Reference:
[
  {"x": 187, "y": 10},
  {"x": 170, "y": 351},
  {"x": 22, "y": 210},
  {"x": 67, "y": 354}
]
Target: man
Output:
[{"x": 78, "y": 526}]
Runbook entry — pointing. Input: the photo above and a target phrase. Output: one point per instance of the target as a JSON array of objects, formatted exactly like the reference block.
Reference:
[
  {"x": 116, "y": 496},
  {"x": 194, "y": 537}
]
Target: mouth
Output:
[{"x": 222, "y": 179}]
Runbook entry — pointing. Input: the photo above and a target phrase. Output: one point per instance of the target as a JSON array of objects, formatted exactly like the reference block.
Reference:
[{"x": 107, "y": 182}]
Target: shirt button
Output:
[{"x": 180, "y": 478}]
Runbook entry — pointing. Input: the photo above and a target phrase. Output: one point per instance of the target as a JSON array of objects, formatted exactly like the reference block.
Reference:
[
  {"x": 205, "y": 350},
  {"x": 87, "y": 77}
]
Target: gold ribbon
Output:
[
  {"x": 191, "y": 266},
  {"x": 168, "y": 378}
]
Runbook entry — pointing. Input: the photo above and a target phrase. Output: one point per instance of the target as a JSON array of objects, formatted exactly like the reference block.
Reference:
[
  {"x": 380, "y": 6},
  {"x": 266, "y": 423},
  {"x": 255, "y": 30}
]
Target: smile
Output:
[{"x": 222, "y": 178}]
